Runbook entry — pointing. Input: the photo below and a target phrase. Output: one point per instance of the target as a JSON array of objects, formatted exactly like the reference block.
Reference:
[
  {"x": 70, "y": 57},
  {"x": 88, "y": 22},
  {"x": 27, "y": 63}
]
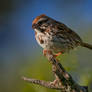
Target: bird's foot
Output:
[
  {"x": 50, "y": 52},
  {"x": 58, "y": 54}
]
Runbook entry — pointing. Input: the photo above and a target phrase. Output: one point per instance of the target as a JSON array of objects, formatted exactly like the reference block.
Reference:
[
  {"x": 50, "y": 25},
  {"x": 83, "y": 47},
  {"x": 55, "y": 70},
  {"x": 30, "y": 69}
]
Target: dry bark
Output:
[{"x": 63, "y": 80}]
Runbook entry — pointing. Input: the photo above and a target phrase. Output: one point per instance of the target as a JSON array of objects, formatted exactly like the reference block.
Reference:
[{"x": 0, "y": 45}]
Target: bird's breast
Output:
[{"x": 40, "y": 37}]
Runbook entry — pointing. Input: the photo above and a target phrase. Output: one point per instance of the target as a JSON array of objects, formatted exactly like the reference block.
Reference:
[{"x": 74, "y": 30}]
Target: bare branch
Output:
[
  {"x": 42, "y": 83},
  {"x": 63, "y": 80}
]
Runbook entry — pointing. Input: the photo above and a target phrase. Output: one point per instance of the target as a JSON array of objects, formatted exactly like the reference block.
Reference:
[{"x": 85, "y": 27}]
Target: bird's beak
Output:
[{"x": 34, "y": 26}]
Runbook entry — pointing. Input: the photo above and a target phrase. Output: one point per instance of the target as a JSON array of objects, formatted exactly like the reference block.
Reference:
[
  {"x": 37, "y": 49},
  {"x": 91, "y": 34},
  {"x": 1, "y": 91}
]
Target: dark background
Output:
[{"x": 21, "y": 55}]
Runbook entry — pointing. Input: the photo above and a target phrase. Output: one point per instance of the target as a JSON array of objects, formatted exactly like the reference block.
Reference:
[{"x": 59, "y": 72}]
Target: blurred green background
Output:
[{"x": 20, "y": 55}]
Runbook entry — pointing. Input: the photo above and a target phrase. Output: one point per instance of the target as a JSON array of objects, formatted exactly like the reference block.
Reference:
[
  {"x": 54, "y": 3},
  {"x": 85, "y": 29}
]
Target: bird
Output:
[{"x": 55, "y": 37}]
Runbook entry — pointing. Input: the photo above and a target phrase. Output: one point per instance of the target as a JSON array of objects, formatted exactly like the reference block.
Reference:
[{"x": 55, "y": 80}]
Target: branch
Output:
[
  {"x": 63, "y": 80},
  {"x": 42, "y": 83}
]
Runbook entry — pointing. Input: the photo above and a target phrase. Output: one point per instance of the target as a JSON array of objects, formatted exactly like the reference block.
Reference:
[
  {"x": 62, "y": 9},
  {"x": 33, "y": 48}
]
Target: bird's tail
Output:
[{"x": 89, "y": 46}]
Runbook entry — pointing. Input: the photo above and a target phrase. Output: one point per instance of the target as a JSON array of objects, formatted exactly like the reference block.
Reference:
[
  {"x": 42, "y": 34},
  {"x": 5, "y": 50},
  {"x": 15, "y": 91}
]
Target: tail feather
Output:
[{"x": 89, "y": 46}]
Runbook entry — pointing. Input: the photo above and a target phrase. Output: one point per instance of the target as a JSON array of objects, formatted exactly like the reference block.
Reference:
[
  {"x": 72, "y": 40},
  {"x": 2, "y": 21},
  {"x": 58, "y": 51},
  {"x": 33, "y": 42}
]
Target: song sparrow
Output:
[{"x": 55, "y": 37}]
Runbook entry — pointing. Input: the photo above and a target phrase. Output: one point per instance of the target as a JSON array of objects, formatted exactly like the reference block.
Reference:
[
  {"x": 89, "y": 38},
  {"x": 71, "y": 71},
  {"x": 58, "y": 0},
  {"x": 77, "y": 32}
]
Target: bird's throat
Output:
[{"x": 38, "y": 30}]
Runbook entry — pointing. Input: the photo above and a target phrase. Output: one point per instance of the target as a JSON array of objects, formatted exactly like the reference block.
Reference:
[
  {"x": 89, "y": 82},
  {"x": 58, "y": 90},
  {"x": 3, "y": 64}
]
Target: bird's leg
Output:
[
  {"x": 46, "y": 51},
  {"x": 50, "y": 52}
]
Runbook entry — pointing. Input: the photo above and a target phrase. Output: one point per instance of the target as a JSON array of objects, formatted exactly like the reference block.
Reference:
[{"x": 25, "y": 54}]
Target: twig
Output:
[{"x": 42, "y": 83}]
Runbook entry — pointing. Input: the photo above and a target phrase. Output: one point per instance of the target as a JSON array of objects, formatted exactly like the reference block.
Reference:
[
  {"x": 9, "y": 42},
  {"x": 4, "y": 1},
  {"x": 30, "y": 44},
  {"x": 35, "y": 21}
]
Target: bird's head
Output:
[{"x": 40, "y": 23}]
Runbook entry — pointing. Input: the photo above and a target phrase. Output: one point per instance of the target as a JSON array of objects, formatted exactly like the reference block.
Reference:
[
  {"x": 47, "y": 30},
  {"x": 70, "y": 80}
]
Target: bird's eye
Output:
[{"x": 40, "y": 22}]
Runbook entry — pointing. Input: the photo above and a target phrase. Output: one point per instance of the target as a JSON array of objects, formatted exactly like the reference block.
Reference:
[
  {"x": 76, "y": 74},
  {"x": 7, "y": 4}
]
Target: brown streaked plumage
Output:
[{"x": 55, "y": 37}]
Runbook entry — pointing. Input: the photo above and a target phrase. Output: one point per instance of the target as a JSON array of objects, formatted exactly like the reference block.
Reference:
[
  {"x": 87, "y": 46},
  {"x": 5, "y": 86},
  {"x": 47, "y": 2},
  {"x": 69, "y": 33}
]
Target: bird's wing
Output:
[{"x": 67, "y": 33}]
